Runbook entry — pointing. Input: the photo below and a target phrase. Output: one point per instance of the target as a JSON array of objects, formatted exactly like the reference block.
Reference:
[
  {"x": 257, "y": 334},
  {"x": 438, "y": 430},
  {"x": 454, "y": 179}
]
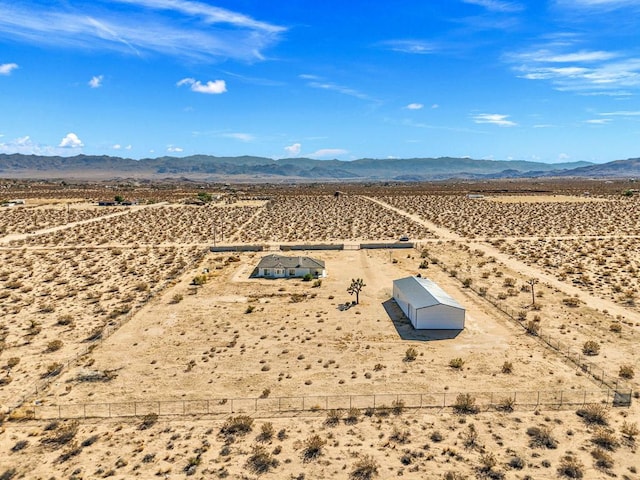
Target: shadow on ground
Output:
[{"x": 407, "y": 332}]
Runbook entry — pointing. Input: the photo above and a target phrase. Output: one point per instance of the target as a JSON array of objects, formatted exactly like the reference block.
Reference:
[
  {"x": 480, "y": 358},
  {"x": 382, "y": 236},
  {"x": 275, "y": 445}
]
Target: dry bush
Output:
[
  {"x": 364, "y": 469},
  {"x": 605, "y": 438},
  {"x": 333, "y": 417},
  {"x": 456, "y": 363},
  {"x": 352, "y": 416},
  {"x": 593, "y": 414},
  {"x": 626, "y": 371},
  {"x": 238, "y": 425},
  {"x": 267, "y": 431},
  {"x": 541, "y": 437},
  {"x": 591, "y": 348},
  {"x": 260, "y": 461},
  {"x": 507, "y": 367},
  {"x": 570, "y": 467},
  {"x": 53, "y": 346},
  {"x": 312, "y": 448},
  {"x": 61, "y": 435},
  {"x": 602, "y": 459},
  {"x": 465, "y": 403},
  {"x": 411, "y": 354},
  {"x": 506, "y": 404},
  {"x": 148, "y": 421}
]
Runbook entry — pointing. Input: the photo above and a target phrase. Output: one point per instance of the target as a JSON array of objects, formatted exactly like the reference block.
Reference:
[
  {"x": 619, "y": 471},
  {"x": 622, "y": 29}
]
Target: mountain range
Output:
[{"x": 257, "y": 169}]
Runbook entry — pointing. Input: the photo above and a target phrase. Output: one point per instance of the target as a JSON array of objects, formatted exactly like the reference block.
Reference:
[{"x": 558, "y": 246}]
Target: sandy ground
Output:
[{"x": 235, "y": 337}]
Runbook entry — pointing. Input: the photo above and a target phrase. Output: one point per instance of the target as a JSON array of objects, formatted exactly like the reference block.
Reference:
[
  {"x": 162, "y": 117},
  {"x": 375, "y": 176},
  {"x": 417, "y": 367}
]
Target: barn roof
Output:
[
  {"x": 423, "y": 292},
  {"x": 273, "y": 261}
]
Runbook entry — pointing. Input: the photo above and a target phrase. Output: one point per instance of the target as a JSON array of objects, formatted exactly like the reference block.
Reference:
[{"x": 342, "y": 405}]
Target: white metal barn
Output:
[{"x": 426, "y": 305}]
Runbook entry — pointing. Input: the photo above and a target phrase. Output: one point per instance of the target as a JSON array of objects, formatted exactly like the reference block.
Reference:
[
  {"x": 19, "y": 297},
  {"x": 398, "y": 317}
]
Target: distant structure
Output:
[
  {"x": 280, "y": 266},
  {"x": 475, "y": 195},
  {"x": 426, "y": 305}
]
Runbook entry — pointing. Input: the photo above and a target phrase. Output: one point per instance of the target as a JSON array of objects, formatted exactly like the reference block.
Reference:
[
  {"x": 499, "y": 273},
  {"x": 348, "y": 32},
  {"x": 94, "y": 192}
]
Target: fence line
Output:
[
  {"x": 595, "y": 371},
  {"x": 481, "y": 401},
  {"x": 108, "y": 330}
]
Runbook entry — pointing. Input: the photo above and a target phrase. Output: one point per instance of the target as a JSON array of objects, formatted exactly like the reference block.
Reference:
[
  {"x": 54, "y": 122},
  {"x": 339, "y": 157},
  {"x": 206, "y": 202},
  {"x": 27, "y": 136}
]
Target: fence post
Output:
[
  {"x": 207, "y": 407},
  {"x": 158, "y": 408},
  {"x": 232, "y": 405},
  {"x": 135, "y": 409},
  {"x": 59, "y": 413},
  {"x": 84, "y": 410},
  {"x": 256, "y": 405},
  {"x": 350, "y": 402},
  {"x": 109, "y": 410},
  {"x": 444, "y": 399},
  {"x": 561, "y": 392}
]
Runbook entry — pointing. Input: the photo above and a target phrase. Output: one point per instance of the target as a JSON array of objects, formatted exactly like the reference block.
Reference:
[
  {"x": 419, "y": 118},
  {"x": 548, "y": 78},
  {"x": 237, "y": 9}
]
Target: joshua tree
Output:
[
  {"x": 533, "y": 282},
  {"x": 357, "y": 284}
]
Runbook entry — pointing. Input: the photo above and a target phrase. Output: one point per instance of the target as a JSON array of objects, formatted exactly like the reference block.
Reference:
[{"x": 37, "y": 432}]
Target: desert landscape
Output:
[{"x": 130, "y": 349}]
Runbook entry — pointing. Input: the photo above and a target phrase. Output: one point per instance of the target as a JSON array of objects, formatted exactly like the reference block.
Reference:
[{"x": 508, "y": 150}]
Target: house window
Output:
[
  {"x": 267, "y": 272},
  {"x": 279, "y": 271},
  {"x": 292, "y": 272}
]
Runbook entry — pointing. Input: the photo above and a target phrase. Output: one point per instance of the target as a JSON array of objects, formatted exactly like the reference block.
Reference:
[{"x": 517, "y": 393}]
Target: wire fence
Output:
[
  {"x": 108, "y": 330},
  {"x": 573, "y": 354},
  {"x": 469, "y": 402}
]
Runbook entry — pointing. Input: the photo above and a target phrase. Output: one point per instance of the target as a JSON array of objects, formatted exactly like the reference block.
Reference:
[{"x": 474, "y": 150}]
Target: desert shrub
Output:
[
  {"x": 466, "y": 283},
  {"x": 411, "y": 354},
  {"x": 465, "y": 403},
  {"x": 333, "y": 418},
  {"x": 199, "y": 280},
  {"x": 90, "y": 441},
  {"x": 456, "y": 363},
  {"x": 64, "y": 319},
  {"x": 312, "y": 448},
  {"x": 148, "y": 421},
  {"x": 591, "y": 347},
  {"x": 54, "y": 345},
  {"x": 52, "y": 370},
  {"x": 399, "y": 436},
  {"x": 602, "y": 459},
  {"x": 605, "y": 438},
  {"x": 176, "y": 298},
  {"x": 541, "y": 437},
  {"x": 352, "y": 416},
  {"x": 629, "y": 430},
  {"x": 364, "y": 469},
  {"x": 265, "y": 393},
  {"x": 470, "y": 437},
  {"x": 517, "y": 463},
  {"x": 532, "y": 327},
  {"x": 61, "y": 435},
  {"x": 570, "y": 467},
  {"x": 250, "y": 309},
  {"x": 397, "y": 407},
  {"x": 451, "y": 475},
  {"x": 239, "y": 425},
  {"x": 436, "y": 436},
  {"x": 593, "y": 414},
  {"x": 615, "y": 327},
  {"x": 487, "y": 462},
  {"x": 266, "y": 432},
  {"x": 20, "y": 445},
  {"x": 307, "y": 277},
  {"x": 507, "y": 367},
  {"x": 13, "y": 361},
  {"x": 571, "y": 301},
  {"x": 506, "y": 404},
  {"x": 8, "y": 474},
  {"x": 626, "y": 371},
  {"x": 260, "y": 461}
]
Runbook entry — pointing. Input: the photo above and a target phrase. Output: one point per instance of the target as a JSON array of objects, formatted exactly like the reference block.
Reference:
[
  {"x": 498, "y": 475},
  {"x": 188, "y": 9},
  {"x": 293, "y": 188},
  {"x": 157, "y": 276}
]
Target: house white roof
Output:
[
  {"x": 273, "y": 261},
  {"x": 422, "y": 292}
]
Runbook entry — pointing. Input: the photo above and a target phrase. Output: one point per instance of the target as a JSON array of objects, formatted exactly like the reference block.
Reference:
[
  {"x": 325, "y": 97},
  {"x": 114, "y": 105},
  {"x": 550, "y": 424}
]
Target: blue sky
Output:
[{"x": 546, "y": 80}]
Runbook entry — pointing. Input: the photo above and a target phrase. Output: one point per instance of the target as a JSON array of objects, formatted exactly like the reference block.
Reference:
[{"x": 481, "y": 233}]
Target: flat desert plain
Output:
[{"x": 130, "y": 350}]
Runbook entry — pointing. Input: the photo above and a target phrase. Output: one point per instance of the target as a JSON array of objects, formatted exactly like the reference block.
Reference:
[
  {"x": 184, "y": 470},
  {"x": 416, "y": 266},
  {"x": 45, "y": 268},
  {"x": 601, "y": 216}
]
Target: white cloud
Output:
[
  {"x": 414, "y": 106},
  {"x": 7, "y": 68},
  {"x": 418, "y": 47},
  {"x": 117, "y": 146},
  {"x": 563, "y": 156},
  {"x": 172, "y": 149},
  {"x": 497, "y": 5},
  {"x": 294, "y": 150},
  {"x": 128, "y": 147},
  {"x": 71, "y": 140},
  {"x": 184, "y": 29},
  {"x": 598, "y": 121},
  {"x": 243, "y": 137},
  {"x": 494, "y": 119},
  {"x": 435, "y": 105},
  {"x": 339, "y": 89},
  {"x": 328, "y": 152},
  {"x": 211, "y": 87},
  {"x": 96, "y": 81},
  {"x": 588, "y": 72},
  {"x": 26, "y": 146}
]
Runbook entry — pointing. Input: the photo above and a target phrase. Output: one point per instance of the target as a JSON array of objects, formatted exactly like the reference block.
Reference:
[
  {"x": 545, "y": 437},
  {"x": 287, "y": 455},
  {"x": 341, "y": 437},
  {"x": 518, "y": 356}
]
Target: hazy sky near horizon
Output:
[{"x": 545, "y": 80}]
